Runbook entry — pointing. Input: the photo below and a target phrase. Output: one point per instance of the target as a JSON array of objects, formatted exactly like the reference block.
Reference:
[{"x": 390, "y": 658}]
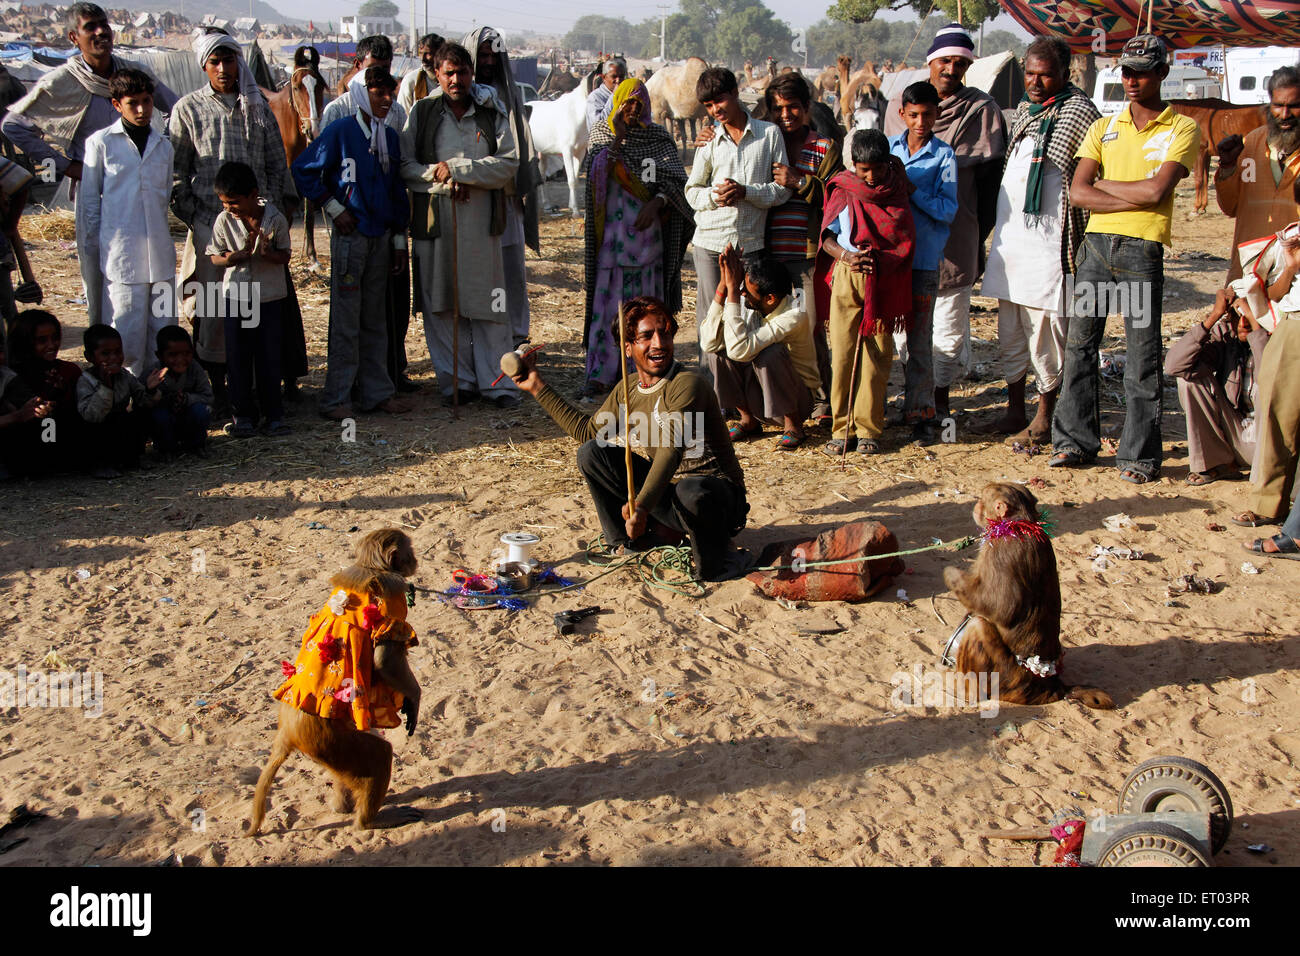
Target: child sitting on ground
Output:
[
  {"x": 110, "y": 400},
  {"x": 20, "y": 420},
  {"x": 35, "y": 338},
  {"x": 180, "y": 418},
  {"x": 869, "y": 235},
  {"x": 250, "y": 240}
]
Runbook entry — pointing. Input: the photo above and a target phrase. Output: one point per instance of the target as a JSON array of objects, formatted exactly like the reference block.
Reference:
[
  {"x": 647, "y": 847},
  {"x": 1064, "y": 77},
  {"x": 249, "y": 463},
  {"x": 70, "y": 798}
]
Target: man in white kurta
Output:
[
  {"x": 1035, "y": 236},
  {"x": 444, "y": 148},
  {"x": 122, "y": 229}
]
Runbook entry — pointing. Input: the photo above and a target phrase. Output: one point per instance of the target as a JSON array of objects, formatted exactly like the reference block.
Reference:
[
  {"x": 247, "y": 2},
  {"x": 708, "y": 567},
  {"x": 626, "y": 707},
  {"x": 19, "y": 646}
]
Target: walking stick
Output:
[
  {"x": 455, "y": 307},
  {"x": 627, "y": 410},
  {"x": 844, "y": 452}
]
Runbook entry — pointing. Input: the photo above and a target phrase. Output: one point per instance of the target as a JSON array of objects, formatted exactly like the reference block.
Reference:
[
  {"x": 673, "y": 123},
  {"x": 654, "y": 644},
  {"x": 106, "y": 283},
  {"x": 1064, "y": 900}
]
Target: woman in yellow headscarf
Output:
[{"x": 637, "y": 225}]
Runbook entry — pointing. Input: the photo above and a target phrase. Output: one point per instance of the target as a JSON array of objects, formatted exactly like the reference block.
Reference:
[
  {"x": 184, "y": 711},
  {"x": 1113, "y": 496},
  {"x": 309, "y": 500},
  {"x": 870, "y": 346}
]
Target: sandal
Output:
[
  {"x": 1136, "y": 476},
  {"x": 1221, "y": 473},
  {"x": 1286, "y": 547},
  {"x": 737, "y": 433},
  {"x": 835, "y": 447},
  {"x": 1067, "y": 459},
  {"x": 1248, "y": 519},
  {"x": 788, "y": 442},
  {"x": 868, "y": 446}
]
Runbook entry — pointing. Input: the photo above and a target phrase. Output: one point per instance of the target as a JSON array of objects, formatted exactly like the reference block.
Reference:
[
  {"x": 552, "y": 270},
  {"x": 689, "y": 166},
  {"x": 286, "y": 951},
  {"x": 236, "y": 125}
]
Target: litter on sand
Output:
[
  {"x": 1248, "y": 568},
  {"x": 1116, "y": 523},
  {"x": 1192, "y": 584}
]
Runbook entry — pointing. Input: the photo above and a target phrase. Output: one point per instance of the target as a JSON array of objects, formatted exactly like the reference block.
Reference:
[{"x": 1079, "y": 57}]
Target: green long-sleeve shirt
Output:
[{"x": 675, "y": 424}]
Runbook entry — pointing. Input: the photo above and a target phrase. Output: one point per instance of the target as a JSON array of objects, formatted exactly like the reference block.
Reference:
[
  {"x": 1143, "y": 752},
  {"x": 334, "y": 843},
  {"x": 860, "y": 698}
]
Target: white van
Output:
[
  {"x": 1182, "y": 83},
  {"x": 1246, "y": 71}
]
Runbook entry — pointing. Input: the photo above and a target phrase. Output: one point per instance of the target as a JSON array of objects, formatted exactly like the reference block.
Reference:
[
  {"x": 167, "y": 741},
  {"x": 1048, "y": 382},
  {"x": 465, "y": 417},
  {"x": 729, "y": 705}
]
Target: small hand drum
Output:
[{"x": 949, "y": 656}]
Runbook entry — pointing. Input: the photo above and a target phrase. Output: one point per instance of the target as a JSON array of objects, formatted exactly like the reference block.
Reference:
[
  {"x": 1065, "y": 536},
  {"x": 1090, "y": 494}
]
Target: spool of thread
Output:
[
  {"x": 517, "y": 575},
  {"x": 520, "y": 545}
]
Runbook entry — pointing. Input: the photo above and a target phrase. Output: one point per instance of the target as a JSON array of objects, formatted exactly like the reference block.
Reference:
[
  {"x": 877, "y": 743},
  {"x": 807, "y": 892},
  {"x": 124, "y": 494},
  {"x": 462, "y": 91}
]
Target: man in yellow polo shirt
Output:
[{"x": 1129, "y": 164}]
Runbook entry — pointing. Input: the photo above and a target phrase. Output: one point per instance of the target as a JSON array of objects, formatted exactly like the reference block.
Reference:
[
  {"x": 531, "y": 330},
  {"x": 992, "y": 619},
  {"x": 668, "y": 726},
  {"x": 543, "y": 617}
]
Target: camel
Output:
[
  {"x": 761, "y": 83},
  {"x": 860, "y": 94},
  {"x": 297, "y": 108},
  {"x": 1217, "y": 119},
  {"x": 828, "y": 82},
  {"x": 557, "y": 83},
  {"x": 673, "y": 99}
]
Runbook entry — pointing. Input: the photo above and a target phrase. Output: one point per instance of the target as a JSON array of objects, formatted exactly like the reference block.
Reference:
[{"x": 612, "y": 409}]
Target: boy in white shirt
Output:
[{"x": 122, "y": 231}]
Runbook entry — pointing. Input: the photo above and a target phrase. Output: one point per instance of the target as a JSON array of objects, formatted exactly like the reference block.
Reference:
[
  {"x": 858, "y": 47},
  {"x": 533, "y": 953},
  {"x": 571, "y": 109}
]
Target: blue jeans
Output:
[
  {"x": 1114, "y": 270},
  {"x": 184, "y": 429}
]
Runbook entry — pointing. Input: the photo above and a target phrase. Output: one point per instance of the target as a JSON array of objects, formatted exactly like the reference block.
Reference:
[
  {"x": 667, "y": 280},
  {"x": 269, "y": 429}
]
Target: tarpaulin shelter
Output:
[
  {"x": 998, "y": 75},
  {"x": 1180, "y": 23}
]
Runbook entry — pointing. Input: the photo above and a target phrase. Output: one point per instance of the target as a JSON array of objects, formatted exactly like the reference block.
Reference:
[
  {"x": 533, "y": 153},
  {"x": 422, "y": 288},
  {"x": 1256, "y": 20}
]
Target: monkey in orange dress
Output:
[{"x": 352, "y": 677}]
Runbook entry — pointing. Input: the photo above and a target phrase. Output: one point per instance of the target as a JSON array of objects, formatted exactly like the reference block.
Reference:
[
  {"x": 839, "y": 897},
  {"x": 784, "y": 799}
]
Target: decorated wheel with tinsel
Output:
[
  {"x": 1164, "y": 784},
  {"x": 1152, "y": 844}
]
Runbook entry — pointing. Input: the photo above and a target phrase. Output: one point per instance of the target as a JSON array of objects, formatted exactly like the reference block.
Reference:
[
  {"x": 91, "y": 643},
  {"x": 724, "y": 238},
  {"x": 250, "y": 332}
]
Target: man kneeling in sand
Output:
[{"x": 684, "y": 467}]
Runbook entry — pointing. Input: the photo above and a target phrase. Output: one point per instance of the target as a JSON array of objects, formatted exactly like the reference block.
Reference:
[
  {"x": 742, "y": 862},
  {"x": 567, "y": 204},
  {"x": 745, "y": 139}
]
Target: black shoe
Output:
[
  {"x": 405, "y": 384},
  {"x": 926, "y": 433},
  {"x": 292, "y": 391},
  {"x": 506, "y": 401}
]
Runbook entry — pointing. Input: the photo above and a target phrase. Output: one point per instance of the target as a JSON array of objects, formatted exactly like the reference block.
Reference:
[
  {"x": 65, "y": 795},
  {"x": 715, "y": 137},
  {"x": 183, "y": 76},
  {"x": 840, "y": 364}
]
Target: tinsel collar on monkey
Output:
[{"x": 1040, "y": 530}]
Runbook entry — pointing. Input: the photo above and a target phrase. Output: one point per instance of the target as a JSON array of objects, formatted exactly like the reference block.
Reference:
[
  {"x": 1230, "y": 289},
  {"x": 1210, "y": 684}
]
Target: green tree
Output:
[
  {"x": 973, "y": 12},
  {"x": 619, "y": 35},
  {"x": 750, "y": 32},
  {"x": 378, "y": 8}
]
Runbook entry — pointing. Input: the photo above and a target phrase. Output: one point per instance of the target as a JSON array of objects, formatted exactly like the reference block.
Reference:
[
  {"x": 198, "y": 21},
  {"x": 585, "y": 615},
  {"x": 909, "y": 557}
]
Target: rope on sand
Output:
[{"x": 669, "y": 567}]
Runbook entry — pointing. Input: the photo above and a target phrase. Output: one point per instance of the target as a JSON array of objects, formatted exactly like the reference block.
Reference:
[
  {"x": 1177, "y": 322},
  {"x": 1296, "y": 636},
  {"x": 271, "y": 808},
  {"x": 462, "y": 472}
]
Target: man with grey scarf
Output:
[
  {"x": 1037, "y": 234},
  {"x": 492, "y": 68}
]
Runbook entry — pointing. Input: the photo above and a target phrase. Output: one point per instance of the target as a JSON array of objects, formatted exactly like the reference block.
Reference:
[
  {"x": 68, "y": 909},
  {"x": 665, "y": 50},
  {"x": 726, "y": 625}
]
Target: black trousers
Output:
[{"x": 708, "y": 509}]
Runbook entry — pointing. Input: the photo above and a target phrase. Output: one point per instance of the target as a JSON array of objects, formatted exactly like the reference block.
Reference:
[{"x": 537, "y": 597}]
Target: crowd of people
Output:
[{"x": 811, "y": 277}]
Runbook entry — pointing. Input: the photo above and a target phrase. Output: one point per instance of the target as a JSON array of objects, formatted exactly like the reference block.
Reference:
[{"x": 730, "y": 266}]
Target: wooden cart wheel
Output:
[
  {"x": 1152, "y": 844},
  {"x": 1176, "y": 783}
]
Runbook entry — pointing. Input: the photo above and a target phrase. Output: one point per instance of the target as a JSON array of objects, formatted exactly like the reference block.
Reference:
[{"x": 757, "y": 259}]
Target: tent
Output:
[
  {"x": 181, "y": 72},
  {"x": 1181, "y": 23},
  {"x": 998, "y": 75}
]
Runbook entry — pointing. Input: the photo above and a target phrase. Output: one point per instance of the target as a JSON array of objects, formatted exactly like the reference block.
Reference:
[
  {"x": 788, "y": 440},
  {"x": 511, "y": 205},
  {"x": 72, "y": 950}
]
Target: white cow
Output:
[{"x": 560, "y": 129}]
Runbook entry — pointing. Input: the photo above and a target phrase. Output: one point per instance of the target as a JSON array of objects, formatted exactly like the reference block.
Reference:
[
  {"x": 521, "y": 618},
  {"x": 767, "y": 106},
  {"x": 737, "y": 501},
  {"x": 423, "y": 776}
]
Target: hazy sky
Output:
[{"x": 549, "y": 16}]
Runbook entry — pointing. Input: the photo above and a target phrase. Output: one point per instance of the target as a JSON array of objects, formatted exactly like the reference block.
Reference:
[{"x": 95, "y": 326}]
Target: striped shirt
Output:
[
  {"x": 749, "y": 163},
  {"x": 787, "y": 224}
]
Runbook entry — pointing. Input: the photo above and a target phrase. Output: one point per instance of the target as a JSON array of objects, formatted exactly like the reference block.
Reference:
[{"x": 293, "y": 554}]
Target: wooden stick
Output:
[
  {"x": 627, "y": 413},
  {"x": 1033, "y": 833},
  {"x": 455, "y": 308},
  {"x": 844, "y": 452}
]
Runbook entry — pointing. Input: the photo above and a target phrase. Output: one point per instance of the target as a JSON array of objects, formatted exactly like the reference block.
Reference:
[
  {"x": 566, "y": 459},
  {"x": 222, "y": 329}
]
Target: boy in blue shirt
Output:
[
  {"x": 932, "y": 169},
  {"x": 354, "y": 169}
]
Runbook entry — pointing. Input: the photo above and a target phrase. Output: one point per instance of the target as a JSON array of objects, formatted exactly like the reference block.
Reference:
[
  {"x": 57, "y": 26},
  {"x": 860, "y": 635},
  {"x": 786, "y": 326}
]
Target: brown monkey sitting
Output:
[
  {"x": 1014, "y": 597},
  {"x": 352, "y": 675}
]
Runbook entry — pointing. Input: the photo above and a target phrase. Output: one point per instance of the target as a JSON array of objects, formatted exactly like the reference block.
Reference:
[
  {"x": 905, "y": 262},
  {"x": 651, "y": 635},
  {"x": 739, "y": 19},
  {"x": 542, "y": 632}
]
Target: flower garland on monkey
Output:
[
  {"x": 332, "y": 676},
  {"x": 1020, "y": 529}
]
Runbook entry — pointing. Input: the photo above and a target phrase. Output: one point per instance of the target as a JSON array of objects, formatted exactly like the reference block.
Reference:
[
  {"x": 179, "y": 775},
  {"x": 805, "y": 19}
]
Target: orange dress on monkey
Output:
[{"x": 332, "y": 677}]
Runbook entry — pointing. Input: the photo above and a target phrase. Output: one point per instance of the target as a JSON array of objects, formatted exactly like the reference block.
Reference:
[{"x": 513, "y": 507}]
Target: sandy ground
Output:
[{"x": 654, "y": 735}]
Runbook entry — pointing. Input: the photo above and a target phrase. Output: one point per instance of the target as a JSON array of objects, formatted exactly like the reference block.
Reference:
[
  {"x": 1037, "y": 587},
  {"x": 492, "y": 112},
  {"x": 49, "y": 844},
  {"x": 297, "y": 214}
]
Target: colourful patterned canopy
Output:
[{"x": 1180, "y": 23}]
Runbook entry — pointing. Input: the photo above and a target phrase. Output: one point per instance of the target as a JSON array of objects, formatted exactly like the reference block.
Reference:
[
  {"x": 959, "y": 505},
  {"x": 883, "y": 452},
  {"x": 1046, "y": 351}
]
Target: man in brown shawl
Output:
[{"x": 972, "y": 124}]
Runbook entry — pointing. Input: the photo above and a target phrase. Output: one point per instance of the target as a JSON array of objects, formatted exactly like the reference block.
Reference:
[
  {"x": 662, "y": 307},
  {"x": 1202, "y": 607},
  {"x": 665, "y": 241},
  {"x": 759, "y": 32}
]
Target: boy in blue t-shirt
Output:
[{"x": 932, "y": 169}]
